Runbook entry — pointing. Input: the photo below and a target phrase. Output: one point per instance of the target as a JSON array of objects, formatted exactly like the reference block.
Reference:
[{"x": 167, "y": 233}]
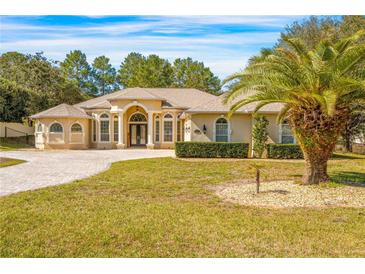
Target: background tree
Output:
[
  {"x": 76, "y": 68},
  {"x": 131, "y": 70},
  {"x": 14, "y": 100},
  {"x": 104, "y": 75},
  {"x": 316, "y": 29},
  {"x": 139, "y": 71},
  {"x": 157, "y": 72},
  {"x": 41, "y": 76},
  {"x": 260, "y": 135},
  {"x": 193, "y": 74},
  {"x": 355, "y": 126},
  {"x": 317, "y": 88}
]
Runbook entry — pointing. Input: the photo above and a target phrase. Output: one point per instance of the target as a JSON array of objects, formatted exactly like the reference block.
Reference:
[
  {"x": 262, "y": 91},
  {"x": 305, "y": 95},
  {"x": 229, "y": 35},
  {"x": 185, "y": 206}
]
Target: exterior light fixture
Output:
[{"x": 204, "y": 129}]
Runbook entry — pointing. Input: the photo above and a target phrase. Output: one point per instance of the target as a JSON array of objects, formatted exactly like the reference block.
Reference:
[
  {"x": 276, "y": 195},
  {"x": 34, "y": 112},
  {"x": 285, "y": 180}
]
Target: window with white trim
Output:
[
  {"x": 168, "y": 128},
  {"x": 178, "y": 133},
  {"x": 221, "y": 130},
  {"x": 116, "y": 129},
  {"x": 94, "y": 130},
  {"x": 287, "y": 136},
  {"x": 56, "y": 128},
  {"x": 138, "y": 118},
  {"x": 104, "y": 128},
  {"x": 157, "y": 129},
  {"x": 76, "y": 128},
  {"x": 76, "y": 136}
]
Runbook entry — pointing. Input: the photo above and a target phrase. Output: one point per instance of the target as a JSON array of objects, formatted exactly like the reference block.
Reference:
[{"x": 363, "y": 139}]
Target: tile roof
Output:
[
  {"x": 182, "y": 97},
  {"x": 217, "y": 105},
  {"x": 192, "y": 100},
  {"x": 172, "y": 97},
  {"x": 62, "y": 111}
]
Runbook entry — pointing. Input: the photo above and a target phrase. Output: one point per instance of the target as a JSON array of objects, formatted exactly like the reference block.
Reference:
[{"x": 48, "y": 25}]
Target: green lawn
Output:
[
  {"x": 5, "y": 146},
  {"x": 4, "y": 162},
  {"x": 165, "y": 208}
]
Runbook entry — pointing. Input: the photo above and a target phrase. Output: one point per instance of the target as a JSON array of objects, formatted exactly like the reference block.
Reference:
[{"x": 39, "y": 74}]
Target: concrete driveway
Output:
[{"x": 49, "y": 168}]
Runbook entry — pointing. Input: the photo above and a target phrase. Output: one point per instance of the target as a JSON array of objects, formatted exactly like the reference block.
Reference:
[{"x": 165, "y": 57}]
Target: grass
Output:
[
  {"x": 6, "y": 146},
  {"x": 165, "y": 208},
  {"x": 4, "y": 162}
]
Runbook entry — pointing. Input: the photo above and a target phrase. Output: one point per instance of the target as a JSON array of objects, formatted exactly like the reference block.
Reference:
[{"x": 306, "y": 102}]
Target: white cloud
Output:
[{"x": 169, "y": 37}]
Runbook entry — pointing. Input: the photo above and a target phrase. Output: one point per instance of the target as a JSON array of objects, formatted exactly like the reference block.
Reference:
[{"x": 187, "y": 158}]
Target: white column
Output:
[
  {"x": 120, "y": 130},
  {"x": 150, "y": 143},
  {"x": 187, "y": 129}
]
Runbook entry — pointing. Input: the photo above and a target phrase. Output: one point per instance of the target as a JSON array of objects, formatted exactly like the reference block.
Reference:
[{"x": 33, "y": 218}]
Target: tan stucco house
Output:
[{"x": 151, "y": 118}]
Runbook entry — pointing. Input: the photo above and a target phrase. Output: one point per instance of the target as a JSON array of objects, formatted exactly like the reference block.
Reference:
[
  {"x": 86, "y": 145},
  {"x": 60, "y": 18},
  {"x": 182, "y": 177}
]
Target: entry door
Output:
[{"x": 138, "y": 134}]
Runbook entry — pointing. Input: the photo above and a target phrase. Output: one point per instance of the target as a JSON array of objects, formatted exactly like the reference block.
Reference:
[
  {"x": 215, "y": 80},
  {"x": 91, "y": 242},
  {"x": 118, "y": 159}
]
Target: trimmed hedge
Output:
[
  {"x": 284, "y": 151},
  {"x": 211, "y": 150}
]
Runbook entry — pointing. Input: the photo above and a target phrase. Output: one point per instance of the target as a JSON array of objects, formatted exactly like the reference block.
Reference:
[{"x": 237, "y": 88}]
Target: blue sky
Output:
[{"x": 224, "y": 43}]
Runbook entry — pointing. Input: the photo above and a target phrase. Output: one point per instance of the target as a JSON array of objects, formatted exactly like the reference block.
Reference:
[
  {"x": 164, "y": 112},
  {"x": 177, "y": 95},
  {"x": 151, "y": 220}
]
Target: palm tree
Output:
[{"x": 316, "y": 88}]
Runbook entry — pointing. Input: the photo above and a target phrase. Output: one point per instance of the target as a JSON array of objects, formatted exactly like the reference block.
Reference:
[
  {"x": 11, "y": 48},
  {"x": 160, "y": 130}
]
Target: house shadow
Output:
[{"x": 356, "y": 179}]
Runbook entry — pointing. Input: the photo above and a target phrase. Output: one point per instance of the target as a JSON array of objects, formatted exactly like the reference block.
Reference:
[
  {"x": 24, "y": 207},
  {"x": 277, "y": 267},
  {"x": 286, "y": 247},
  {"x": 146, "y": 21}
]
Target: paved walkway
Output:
[{"x": 49, "y": 168}]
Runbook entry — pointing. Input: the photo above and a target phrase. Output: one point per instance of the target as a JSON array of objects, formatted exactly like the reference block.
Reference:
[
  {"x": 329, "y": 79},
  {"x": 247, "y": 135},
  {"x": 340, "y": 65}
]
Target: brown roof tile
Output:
[
  {"x": 217, "y": 105},
  {"x": 62, "y": 111}
]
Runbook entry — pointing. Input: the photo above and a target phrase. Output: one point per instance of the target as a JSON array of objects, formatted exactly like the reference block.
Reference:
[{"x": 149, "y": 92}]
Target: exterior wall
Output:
[
  {"x": 64, "y": 140},
  {"x": 240, "y": 128},
  {"x": 273, "y": 128}
]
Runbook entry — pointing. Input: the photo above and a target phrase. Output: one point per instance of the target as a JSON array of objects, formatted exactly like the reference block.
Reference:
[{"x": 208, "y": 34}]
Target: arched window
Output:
[
  {"x": 76, "y": 136},
  {"x": 138, "y": 118},
  {"x": 286, "y": 133},
  {"x": 157, "y": 129},
  {"x": 104, "y": 127},
  {"x": 56, "y": 128},
  {"x": 76, "y": 128},
  {"x": 168, "y": 128},
  {"x": 221, "y": 130}
]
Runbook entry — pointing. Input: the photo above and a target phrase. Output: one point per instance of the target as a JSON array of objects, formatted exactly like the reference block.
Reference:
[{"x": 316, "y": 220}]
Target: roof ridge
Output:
[{"x": 151, "y": 93}]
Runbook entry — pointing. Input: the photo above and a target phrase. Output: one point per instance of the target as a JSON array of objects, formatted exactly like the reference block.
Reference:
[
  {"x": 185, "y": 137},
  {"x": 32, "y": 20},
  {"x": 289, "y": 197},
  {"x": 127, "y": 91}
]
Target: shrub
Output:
[
  {"x": 211, "y": 150},
  {"x": 260, "y": 135},
  {"x": 284, "y": 151}
]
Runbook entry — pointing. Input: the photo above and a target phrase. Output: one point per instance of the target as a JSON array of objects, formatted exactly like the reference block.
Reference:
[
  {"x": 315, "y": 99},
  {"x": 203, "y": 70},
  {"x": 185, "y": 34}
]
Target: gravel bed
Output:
[{"x": 286, "y": 194}]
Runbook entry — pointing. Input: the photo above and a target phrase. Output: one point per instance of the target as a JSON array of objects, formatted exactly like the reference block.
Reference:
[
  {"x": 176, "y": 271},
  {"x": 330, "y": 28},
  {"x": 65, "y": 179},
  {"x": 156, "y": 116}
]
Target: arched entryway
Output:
[{"x": 137, "y": 126}]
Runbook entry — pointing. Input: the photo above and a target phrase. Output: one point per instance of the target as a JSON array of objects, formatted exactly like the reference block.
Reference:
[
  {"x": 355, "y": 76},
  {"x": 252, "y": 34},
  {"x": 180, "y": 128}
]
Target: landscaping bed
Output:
[{"x": 287, "y": 194}]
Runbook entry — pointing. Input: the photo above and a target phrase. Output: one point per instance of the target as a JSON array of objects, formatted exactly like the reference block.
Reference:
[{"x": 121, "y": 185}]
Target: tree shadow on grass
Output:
[
  {"x": 347, "y": 156},
  {"x": 356, "y": 179}
]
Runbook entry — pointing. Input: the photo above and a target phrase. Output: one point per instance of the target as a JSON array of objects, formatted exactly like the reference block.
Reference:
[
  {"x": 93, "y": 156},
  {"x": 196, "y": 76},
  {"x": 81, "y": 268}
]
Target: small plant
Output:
[
  {"x": 260, "y": 135},
  {"x": 257, "y": 168}
]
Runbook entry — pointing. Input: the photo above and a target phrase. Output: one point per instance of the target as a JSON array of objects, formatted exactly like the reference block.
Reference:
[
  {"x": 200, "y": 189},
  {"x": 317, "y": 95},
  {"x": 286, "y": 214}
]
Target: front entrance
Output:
[{"x": 138, "y": 134}]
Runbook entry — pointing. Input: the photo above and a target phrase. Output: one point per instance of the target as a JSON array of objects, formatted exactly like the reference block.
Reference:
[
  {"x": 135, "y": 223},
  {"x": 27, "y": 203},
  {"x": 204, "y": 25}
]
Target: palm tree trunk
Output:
[
  {"x": 316, "y": 169},
  {"x": 317, "y": 134}
]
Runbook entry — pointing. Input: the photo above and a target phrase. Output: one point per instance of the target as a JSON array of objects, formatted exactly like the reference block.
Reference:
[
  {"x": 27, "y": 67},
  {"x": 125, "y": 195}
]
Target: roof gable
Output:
[{"x": 62, "y": 111}]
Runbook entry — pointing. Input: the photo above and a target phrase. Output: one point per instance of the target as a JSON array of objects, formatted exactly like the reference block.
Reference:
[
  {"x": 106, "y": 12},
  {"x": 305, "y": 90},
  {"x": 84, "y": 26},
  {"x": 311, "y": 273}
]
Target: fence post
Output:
[{"x": 6, "y": 131}]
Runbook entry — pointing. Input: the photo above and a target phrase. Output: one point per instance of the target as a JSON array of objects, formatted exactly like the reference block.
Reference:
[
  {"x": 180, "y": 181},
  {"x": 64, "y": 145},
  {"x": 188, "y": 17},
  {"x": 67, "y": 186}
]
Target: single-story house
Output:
[{"x": 151, "y": 118}]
